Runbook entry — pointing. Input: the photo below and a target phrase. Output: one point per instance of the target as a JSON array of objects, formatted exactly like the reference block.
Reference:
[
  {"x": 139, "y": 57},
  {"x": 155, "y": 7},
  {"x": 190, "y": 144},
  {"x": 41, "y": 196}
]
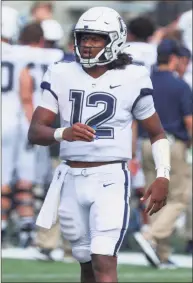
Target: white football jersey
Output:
[
  {"x": 144, "y": 53},
  {"x": 107, "y": 103},
  {"x": 11, "y": 66},
  {"x": 38, "y": 60}
]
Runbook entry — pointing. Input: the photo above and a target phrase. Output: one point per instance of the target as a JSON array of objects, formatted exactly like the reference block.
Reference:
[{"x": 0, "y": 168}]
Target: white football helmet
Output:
[
  {"x": 105, "y": 21},
  {"x": 9, "y": 22},
  {"x": 52, "y": 30}
]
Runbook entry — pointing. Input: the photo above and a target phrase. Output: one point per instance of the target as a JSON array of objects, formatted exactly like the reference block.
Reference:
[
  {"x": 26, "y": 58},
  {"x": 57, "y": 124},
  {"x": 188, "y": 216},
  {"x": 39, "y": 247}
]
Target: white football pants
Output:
[{"x": 94, "y": 209}]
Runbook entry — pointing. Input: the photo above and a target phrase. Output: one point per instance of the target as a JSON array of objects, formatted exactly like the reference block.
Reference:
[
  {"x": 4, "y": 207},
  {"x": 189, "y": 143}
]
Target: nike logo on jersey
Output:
[
  {"x": 114, "y": 86},
  {"x": 106, "y": 185}
]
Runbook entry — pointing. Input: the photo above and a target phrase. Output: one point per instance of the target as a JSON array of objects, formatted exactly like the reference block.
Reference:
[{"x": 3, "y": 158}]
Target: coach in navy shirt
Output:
[{"x": 173, "y": 102}]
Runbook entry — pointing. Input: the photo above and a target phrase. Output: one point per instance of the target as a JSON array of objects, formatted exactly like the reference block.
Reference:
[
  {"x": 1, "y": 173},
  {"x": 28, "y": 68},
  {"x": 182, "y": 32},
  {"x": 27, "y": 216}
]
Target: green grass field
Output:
[{"x": 37, "y": 271}]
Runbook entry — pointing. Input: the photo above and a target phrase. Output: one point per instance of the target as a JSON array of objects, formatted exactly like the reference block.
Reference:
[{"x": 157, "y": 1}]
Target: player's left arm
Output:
[
  {"x": 145, "y": 112},
  {"x": 161, "y": 155},
  {"x": 26, "y": 92}
]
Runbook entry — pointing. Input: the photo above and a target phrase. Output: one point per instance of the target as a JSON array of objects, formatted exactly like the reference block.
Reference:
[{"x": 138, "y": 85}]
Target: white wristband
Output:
[
  {"x": 164, "y": 173},
  {"x": 58, "y": 134},
  {"x": 161, "y": 156}
]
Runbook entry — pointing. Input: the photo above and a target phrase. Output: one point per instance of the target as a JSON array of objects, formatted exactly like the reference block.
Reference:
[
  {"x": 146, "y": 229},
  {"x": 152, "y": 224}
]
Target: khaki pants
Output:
[
  {"x": 48, "y": 239},
  {"x": 188, "y": 226},
  {"x": 162, "y": 223}
]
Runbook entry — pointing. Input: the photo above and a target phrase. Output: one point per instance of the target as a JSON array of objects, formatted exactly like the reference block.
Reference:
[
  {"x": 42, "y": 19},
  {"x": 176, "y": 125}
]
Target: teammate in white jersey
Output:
[
  {"x": 140, "y": 31},
  {"x": 142, "y": 50},
  {"x": 38, "y": 60},
  {"x": 11, "y": 64},
  {"x": 34, "y": 163},
  {"x": 96, "y": 97}
]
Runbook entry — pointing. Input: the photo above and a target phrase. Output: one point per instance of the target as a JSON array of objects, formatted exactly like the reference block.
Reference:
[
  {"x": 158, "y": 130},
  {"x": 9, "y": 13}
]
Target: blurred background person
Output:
[
  {"x": 37, "y": 159},
  {"x": 140, "y": 31},
  {"x": 31, "y": 37},
  {"x": 42, "y": 10},
  {"x": 10, "y": 65},
  {"x": 176, "y": 119},
  {"x": 184, "y": 63}
]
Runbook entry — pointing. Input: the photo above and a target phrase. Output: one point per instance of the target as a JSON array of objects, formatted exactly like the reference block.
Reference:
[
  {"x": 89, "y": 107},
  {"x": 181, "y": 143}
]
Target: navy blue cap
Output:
[
  {"x": 169, "y": 47},
  {"x": 185, "y": 52}
]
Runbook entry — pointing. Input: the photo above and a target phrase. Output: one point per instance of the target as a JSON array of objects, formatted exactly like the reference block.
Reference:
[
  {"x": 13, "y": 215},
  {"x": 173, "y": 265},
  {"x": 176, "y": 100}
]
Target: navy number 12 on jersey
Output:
[{"x": 93, "y": 100}]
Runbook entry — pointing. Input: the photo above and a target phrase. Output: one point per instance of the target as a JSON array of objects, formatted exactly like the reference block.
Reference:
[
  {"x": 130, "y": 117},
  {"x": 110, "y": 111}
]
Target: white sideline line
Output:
[{"x": 128, "y": 258}]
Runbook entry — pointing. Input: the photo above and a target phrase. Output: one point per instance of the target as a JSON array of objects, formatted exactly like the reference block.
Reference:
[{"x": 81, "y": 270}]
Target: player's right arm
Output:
[{"x": 41, "y": 131}]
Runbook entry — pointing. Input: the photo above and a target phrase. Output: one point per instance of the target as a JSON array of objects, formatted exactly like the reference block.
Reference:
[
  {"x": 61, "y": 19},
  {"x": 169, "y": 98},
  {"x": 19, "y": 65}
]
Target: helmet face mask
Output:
[{"x": 101, "y": 21}]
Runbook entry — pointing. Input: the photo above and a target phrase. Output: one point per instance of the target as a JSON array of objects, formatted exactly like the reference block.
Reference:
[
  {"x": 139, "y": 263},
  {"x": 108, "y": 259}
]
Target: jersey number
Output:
[
  {"x": 93, "y": 100},
  {"x": 9, "y": 68}
]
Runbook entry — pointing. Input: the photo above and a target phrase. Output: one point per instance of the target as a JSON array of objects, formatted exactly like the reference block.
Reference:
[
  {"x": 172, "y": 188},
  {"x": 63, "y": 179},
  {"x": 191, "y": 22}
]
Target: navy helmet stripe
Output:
[{"x": 125, "y": 217}]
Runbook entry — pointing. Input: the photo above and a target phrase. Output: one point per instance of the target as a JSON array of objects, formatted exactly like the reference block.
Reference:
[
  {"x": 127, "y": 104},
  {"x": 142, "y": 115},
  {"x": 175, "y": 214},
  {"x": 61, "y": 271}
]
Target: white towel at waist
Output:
[{"x": 49, "y": 211}]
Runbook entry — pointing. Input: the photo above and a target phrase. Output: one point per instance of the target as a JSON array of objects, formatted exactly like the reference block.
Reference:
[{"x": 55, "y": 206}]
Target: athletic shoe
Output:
[{"x": 168, "y": 265}]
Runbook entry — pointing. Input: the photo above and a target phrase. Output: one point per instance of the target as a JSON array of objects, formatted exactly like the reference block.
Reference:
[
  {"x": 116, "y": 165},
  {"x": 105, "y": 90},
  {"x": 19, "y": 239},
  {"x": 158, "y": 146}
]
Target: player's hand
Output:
[
  {"x": 79, "y": 132},
  {"x": 158, "y": 193}
]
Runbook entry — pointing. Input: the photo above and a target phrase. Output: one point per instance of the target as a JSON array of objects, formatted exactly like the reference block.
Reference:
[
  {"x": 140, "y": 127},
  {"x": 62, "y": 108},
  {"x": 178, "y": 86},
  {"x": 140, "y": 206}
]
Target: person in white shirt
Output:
[
  {"x": 96, "y": 96},
  {"x": 33, "y": 163},
  {"x": 143, "y": 51},
  {"x": 11, "y": 65}
]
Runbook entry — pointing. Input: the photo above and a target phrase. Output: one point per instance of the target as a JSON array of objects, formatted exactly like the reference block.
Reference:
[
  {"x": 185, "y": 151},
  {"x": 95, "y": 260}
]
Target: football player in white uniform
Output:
[
  {"x": 11, "y": 65},
  {"x": 140, "y": 31},
  {"x": 33, "y": 163},
  {"x": 96, "y": 97},
  {"x": 142, "y": 50}
]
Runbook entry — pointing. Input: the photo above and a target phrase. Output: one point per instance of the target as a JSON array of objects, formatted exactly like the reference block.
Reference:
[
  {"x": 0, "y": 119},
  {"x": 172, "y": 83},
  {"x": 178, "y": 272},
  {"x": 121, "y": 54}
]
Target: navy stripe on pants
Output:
[{"x": 124, "y": 226}]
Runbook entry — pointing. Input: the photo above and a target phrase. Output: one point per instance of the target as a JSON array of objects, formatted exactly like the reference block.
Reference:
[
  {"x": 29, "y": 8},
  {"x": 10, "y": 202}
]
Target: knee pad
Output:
[
  {"x": 81, "y": 254},
  {"x": 39, "y": 196},
  {"x": 70, "y": 227},
  {"x": 6, "y": 205},
  {"x": 23, "y": 197}
]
